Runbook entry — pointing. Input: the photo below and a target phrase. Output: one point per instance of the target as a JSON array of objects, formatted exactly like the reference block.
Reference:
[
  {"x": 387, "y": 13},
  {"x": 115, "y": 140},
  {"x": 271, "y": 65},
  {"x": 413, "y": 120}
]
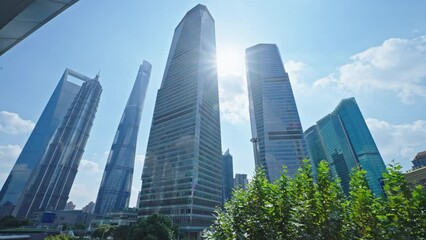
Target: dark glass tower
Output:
[
  {"x": 115, "y": 189},
  {"x": 347, "y": 144},
  {"x": 50, "y": 183},
  {"x": 37, "y": 143},
  {"x": 315, "y": 148},
  {"x": 182, "y": 174},
  {"x": 228, "y": 175},
  {"x": 275, "y": 125}
]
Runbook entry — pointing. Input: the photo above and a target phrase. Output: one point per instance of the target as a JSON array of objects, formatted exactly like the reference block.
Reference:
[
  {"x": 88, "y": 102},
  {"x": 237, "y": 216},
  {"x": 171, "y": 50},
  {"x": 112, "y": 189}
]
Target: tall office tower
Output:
[
  {"x": 275, "y": 124},
  {"x": 228, "y": 176},
  {"x": 240, "y": 181},
  {"x": 37, "y": 143},
  {"x": 182, "y": 174},
  {"x": 348, "y": 143},
  {"x": 115, "y": 189},
  {"x": 419, "y": 160},
  {"x": 315, "y": 148},
  {"x": 50, "y": 183}
]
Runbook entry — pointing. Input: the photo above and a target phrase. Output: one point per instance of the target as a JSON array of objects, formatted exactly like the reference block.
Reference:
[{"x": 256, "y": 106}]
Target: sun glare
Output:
[{"x": 230, "y": 61}]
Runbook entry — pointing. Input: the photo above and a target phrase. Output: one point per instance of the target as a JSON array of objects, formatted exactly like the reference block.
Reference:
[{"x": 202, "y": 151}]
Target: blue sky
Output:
[{"x": 373, "y": 50}]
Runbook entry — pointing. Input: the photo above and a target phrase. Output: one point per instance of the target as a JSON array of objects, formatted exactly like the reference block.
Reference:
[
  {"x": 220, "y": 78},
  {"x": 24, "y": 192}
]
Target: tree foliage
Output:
[
  {"x": 58, "y": 237},
  {"x": 306, "y": 208},
  {"x": 12, "y": 222},
  {"x": 153, "y": 227}
]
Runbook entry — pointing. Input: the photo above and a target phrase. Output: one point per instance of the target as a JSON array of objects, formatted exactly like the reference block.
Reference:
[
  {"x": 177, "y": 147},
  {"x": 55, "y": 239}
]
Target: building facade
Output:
[
  {"x": 240, "y": 181},
  {"x": 315, "y": 148},
  {"x": 50, "y": 183},
  {"x": 182, "y": 174},
  {"x": 37, "y": 143},
  {"x": 416, "y": 177},
  {"x": 89, "y": 208},
  {"x": 348, "y": 144},
  {"x": 228, "y": 176},
  {"x": 277, "y": 133},
  {"x": 419, "y": 160},
  {"x": 116, "y": 184}
]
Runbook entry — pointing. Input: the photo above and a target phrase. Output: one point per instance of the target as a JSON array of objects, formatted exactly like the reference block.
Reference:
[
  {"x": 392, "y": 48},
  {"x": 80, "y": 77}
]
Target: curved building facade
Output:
[{"x": 115, "y": 189}]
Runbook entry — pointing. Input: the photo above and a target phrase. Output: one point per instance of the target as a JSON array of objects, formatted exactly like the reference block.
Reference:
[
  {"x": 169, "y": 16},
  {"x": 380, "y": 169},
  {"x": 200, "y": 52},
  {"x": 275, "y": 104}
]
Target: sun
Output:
[{"x": 230, "y": 61}]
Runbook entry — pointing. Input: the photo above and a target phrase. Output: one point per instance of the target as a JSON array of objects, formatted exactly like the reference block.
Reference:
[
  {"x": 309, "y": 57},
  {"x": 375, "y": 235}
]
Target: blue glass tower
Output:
[
  {"x": 115, "y": 189},
  {"x": 348, "y": 143},
  {"x": 275, "y": 125},
  {"x": 37, "y": 143},
  {"x": 182, "y": 173},
  {"x": 228, "y": 176},
  {"x": 315, "y": 148},
  {"x": 50, "y": 182}
]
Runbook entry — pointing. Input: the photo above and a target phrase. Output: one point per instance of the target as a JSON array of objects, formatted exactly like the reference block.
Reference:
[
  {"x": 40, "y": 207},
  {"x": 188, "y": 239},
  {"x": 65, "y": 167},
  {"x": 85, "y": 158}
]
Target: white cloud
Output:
[
  {"x": 295, "y": 70},
  {"x": 14, "y": 124},
  {"x": 398, "y": 65},
  {"x": 233, "y": 99},
  {"x": 89, "y": 166},
  {"x": 84, "y": 192},
  {"x": 8, "y": 155},
  {"x": 400, "y": 142}
]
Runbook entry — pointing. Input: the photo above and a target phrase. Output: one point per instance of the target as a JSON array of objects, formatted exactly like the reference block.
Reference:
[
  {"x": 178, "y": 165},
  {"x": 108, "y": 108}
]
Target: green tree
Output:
[
  {"x": 260, "y": 207},
  {"x": 301, "y": 208},
  {"x": 304, "y": 213},
  {"x": 396, "y": 204},
  {"x": 329, "y": 205},
  {"x": 283, "y": 205},
  {"x": 418, "y": 212},
  {"x": 58, "y": 237},
  {"x": 12, "y": 222},
  {"x": 104, "y": 231},
  {"x": 361, "y": 218},
  {"x": 153, "y": 227}
]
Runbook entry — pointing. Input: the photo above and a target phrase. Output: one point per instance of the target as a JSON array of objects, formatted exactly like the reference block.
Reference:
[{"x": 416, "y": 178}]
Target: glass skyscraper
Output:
[
  {"x": 314, "y": 145},
  {"x": 50, "y": 182},
  {"x": 228, "y": 175},
  {"x": 275, "y": 125},
  {"x": 348, "y": 143},
  {"x": 182, "y": 174},
  {"x": 115, "y": 189},
  {"x": 37, "y": 143}
]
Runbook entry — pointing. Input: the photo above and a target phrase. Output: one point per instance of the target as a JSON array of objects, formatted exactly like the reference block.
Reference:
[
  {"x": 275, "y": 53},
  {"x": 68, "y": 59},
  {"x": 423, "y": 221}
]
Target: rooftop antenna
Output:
[{"x": 97, "y": 75}]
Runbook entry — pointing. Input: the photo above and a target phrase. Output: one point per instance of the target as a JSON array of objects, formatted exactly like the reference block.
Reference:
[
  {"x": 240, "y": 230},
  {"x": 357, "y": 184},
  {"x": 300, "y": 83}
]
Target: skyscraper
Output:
[
  {"x": 275, "y": 125},
  {"x": 347, "y": 144},
  {"x": 50, "y": 183},
  {"x": 314, "y": 145},
  {"x": 228, "y": 175},
  {"x": 37, "y": 143},
  {"x": 240, "y": 181},
  {"x": 182, "y": 174},
  {"x": 115, "y": 189}
]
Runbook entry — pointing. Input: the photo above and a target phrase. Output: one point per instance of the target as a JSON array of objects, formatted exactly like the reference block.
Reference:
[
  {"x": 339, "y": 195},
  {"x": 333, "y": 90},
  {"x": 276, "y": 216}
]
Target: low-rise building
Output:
[
  {"x": 128, "y": 216},
  {"x": 416, "y": 177}
]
